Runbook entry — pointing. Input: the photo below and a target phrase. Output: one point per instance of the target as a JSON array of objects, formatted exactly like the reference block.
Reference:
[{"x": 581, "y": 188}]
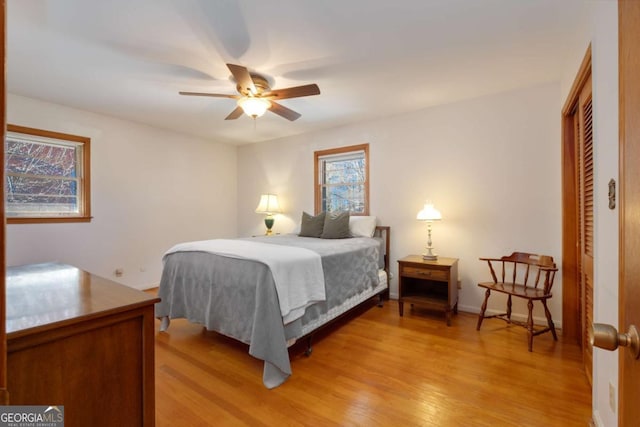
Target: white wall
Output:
[
  {"x": 491, "y": 165},
  {"x": 606, "y": 136},
  {"x": 150, "y": 189}
]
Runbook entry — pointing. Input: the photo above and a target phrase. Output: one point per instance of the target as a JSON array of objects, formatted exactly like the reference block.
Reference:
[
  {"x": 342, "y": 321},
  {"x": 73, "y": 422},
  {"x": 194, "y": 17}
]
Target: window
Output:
[
  {"x": 342, "y": 179},
  {"x": 47, "y": 176}
]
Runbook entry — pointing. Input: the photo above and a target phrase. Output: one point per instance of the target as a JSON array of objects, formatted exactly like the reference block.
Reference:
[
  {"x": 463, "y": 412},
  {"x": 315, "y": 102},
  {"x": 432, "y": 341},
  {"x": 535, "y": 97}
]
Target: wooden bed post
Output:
[{"x": 386, "y": 230}]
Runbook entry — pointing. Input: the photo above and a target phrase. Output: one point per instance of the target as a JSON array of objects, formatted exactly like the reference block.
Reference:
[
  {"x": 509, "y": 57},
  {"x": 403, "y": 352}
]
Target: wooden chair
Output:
[{"x": 523, "y": 275}]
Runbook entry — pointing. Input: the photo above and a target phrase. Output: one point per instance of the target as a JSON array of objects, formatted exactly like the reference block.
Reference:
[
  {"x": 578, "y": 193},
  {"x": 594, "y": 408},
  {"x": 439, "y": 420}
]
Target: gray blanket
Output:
[{"x": 237, "y": 297}]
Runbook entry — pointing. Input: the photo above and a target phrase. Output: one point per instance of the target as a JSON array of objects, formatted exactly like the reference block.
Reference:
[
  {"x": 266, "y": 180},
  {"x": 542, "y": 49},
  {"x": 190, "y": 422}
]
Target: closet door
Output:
[{"x": 584, "y": 133}]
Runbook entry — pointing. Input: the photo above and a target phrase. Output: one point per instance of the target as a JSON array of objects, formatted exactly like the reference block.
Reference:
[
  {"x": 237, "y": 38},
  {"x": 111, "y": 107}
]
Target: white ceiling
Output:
[{"x": 370, "y": 58}]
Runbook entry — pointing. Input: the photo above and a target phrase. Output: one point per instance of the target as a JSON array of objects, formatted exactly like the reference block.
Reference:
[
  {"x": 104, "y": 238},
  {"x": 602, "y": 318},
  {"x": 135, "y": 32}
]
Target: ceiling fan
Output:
[{"x": 256, "y": 97}]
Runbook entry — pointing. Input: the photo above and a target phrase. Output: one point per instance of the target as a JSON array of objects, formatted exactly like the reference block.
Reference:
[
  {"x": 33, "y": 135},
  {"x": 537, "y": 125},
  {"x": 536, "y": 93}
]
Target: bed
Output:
[{"x": 235, "y": 293}]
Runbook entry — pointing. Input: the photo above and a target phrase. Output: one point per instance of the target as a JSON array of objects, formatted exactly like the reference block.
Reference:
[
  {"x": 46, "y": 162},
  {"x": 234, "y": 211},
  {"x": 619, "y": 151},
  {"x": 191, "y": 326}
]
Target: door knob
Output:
[{"x": 607, "y": 337}]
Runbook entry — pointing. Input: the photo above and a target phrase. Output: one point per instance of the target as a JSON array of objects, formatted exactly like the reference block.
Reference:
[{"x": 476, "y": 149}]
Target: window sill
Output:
[{"x": 49, "y": 220}]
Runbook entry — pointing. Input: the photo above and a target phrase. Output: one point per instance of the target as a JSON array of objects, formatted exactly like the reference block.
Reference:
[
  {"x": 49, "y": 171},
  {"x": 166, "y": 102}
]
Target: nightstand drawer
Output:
[{"x": 421, "y": 273}]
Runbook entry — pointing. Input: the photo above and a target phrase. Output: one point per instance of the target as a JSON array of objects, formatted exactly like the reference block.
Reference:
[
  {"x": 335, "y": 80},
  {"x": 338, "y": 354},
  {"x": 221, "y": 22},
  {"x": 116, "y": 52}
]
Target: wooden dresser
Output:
[{"x": 82, "y": 341}]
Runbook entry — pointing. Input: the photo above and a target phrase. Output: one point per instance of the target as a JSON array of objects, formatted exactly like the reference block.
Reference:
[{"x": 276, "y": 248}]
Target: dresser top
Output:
[{"x": 43, "y": 296}]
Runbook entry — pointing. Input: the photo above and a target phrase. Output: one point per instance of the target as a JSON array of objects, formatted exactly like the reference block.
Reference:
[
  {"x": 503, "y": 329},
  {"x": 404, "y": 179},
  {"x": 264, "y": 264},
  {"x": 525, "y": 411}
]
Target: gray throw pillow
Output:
[
  {"x": 336, "y": 225},
  {"x": 311, "y": 226}
]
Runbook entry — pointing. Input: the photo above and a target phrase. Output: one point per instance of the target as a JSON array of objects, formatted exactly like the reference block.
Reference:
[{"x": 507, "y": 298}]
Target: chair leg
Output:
[
  {"x": 549, "y": 320},
  {"x": 530, "y": 324},
  {"x": 509, "y": 309},
  {"x": 483, "y": 309}
]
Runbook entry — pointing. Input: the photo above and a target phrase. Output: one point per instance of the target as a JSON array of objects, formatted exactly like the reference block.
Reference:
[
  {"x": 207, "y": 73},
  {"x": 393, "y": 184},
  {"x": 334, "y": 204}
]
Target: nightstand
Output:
[{"x": 431, "y": 284}]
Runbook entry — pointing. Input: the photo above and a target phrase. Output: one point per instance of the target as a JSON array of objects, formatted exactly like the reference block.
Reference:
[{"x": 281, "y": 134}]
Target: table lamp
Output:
[
  {"x": 268, "y": 205},
  {"x": 429, "y": 214}
]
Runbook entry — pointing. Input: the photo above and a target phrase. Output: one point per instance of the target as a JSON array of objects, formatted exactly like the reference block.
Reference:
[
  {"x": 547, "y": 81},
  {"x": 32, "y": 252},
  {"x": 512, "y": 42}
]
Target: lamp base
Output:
[
  {"x": 268, "y": 222},
  {"x": 429, "y": 255}
]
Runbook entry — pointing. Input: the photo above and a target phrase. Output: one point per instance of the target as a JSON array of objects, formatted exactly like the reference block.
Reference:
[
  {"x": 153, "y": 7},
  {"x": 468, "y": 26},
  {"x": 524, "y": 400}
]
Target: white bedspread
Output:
[{"x": 297, "y": 272}]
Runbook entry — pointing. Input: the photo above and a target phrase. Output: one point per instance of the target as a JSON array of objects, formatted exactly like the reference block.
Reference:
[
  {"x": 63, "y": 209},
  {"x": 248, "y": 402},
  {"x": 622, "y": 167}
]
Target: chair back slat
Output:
[
  {"x": 493, "y": 272},
  {"x": 548, "y": 281}
]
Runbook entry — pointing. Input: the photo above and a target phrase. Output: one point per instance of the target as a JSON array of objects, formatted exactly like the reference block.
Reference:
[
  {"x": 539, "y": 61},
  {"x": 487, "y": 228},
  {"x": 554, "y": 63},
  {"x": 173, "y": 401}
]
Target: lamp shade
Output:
[
  {"x": 429, "y": 213},
  {"x": 254, "y": 107},
  {"x": 268, "y": 204}
]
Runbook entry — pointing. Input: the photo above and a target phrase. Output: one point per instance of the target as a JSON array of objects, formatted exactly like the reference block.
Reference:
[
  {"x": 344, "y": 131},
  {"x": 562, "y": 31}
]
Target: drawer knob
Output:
[{"x": 425, "y": 273}]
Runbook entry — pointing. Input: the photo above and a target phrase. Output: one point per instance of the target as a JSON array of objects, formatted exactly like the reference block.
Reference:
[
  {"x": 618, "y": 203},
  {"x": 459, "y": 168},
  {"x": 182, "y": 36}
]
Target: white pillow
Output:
[{"x": 362, "y": 226}]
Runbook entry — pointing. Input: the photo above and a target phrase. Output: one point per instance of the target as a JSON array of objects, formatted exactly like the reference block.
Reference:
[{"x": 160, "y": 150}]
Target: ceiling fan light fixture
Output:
[
  {"x": 254, "y": 107},
  {"x": 256, "y": 95}
]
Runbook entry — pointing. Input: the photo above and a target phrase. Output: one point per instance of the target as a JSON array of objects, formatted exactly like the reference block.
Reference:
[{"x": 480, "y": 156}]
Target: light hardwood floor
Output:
[{"x": 376, "y": 369}]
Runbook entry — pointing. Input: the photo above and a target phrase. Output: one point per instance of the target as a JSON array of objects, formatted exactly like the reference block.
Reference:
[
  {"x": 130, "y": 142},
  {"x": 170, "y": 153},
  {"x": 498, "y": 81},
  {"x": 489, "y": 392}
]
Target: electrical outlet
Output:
[
  {"x": 459, "y": 284},
  {"x": 612, "y": 398}
]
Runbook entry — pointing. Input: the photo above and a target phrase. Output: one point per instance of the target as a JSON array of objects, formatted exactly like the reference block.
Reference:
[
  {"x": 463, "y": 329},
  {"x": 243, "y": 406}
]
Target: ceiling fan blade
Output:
[
  {"x": 293, "y": 92},
  {"x": 214, "y": 95},
  {"x": 243, "y": 78},
  {"x": 235, "y": 114},
  {"x": 283, "y": 111}
]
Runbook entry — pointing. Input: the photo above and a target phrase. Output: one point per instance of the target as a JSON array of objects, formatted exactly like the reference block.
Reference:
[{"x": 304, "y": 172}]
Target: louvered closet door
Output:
[{"x": 585, "y": 171}]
